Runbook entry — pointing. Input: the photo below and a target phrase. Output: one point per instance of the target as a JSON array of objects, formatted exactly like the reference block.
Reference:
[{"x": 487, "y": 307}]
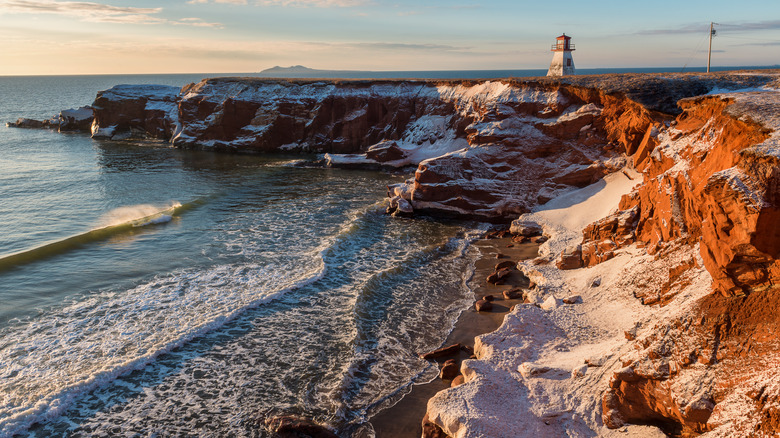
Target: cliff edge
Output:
[{"x": 658, "y": 194}]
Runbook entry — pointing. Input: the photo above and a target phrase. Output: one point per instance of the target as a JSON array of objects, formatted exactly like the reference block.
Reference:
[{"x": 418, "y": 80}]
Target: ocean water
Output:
[{"x": 148, "y": 291}]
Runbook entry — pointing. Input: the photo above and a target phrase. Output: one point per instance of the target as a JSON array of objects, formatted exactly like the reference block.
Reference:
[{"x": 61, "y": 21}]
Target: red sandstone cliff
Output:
[
  {"x": 695, "y": 245},
  {"x": 694, "y": 248}
]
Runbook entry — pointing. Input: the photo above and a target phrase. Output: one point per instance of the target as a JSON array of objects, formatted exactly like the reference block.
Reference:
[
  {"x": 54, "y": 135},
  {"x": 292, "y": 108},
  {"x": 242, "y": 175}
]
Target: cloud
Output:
[
  {"x": 230, "y": 2},
  {"x": 406, "y": 46},
  {"x": 315, "y": 3},
  {"x": 97, "y": 12},
  {"x": 703, "y": 27}
]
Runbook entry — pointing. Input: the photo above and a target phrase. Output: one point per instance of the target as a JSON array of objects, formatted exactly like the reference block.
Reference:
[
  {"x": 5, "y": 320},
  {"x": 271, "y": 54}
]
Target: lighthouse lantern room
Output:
[{"x": 562, "y": 63}]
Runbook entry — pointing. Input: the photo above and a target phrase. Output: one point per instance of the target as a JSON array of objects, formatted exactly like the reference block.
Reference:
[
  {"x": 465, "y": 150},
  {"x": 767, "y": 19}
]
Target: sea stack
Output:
[{"x": 562, "y": 63}]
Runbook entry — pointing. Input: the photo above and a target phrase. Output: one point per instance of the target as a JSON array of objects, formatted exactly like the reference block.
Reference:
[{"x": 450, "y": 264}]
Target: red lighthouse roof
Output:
[{"x": 562, "y": 43}]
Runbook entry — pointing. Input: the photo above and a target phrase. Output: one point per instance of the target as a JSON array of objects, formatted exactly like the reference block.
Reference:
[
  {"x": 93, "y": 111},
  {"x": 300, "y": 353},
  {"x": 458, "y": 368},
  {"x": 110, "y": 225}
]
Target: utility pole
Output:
[{"x": 709, "y": 52}]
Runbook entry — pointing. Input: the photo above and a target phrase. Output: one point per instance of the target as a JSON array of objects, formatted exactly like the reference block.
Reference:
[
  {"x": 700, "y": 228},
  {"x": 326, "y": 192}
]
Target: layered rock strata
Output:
[
  {"x": 654, "y": 305},
  {"x": 686, "y": 263},
  {"x": 485, "y": 149}
]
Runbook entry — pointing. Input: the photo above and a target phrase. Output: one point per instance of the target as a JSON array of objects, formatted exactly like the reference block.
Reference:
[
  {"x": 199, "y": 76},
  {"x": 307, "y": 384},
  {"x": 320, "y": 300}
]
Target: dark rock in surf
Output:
[
  {"x": 450, "y": 350},
  {"x": 290, "y": 426}
]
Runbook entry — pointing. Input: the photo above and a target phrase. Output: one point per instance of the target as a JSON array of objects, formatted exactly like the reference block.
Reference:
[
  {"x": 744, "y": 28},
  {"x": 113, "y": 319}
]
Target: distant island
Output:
[{"x": 300, "y": 71}]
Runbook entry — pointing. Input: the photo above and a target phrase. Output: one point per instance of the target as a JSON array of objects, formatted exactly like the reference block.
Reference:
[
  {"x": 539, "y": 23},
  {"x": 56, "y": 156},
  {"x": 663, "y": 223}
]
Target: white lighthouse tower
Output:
[{"x": 562, "y": 63}]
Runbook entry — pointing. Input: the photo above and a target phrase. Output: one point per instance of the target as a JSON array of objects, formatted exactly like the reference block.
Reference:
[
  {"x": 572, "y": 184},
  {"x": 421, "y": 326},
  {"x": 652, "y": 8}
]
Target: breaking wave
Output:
[{"x": 123, "y": 220}]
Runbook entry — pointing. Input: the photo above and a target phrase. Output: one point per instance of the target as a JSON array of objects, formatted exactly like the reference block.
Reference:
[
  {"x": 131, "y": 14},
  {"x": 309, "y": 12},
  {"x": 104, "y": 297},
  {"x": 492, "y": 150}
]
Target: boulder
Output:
[
  {"x": 497, "y": 276},
  {"x": 483, "y": 306},
  {"x": 458, "y": 380},
  {"x": 525, "y": 228},
  {"x": 539, "y": 239},
  {"x": 386, "y": 151},
  {"x": 291, "y": 426},
  {"x": 399, "y": 206},
  {"x": 513, "y": 294},
  {"x": 449, "y": 370}
]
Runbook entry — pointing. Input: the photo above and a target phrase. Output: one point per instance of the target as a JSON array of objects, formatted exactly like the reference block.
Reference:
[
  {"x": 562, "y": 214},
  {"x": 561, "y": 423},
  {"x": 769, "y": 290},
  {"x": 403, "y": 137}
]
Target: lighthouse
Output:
[{"x": 562, "y": 63}]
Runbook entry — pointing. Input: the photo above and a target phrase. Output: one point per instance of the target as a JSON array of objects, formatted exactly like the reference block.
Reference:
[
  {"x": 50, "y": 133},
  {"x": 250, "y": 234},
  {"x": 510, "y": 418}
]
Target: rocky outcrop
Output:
[
  {"x": 74, "y": 119},
  {"x": 693, "y": 244},
  {"x": 713, "y": 177},
  {"x": 125, "y": 111},
  {"x": 485, "y": 149}
]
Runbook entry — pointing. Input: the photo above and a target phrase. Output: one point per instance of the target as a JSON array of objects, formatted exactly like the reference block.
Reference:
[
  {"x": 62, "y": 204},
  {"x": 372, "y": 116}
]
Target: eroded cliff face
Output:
[
  {"x": 687, "y": 264},
  {"x": 710, "y": 182},
  {"x": 528, "y": 145},
  {"x": 695, "y": 245}
]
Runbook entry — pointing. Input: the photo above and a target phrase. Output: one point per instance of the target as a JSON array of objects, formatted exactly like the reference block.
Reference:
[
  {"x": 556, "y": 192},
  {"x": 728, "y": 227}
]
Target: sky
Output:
[{"x": 44, "y": 37}]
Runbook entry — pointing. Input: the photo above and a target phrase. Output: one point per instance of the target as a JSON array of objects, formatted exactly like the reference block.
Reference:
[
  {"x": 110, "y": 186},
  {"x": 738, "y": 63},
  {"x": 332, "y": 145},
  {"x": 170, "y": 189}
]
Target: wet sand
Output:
[{"x": 404, "y": 419}]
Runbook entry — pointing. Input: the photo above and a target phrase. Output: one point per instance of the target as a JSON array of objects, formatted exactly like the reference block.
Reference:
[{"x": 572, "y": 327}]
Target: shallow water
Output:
[{"x": 149, "y": 290}]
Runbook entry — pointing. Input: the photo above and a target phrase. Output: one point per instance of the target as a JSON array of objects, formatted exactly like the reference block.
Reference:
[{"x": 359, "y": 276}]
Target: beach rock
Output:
[
  {"x": 500, "y": 256},
  {"x": 483, "y": 306},
  {"x": 596, "y": 282},
  {"x": 450, "y": 350},
  {"x": 574, "y": 299},
  {"x": 386, "y": 151},
  {"x": 497, "y": 276},
  {"x": 525, "y": 228},
  {"x": 458, "y": 380},
  {"x": 508, "y": 264},
  {"x": 488, "y": 298},
  {"x": 539, "y": 239},
  {"x": 449, "y": 370},
  {"x": 512, "y": 294},
  {"x": 290, "y": 426},
  {"x": 399, "y": 206},
  {"x": 468, "y": 350}
]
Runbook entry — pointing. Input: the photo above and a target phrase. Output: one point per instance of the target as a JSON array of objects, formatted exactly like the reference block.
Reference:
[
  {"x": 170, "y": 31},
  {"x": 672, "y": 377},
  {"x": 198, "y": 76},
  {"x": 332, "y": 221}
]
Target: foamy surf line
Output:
[
  {"x": 19, "y": 419},
  {"x": 131, "y": 219},
  {"x": 16, "y": 421},
  {"x": 351, "y": 373}
]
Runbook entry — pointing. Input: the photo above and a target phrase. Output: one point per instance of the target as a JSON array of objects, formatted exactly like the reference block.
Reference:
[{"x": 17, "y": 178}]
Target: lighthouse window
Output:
[{"x": 568, "y": 63}]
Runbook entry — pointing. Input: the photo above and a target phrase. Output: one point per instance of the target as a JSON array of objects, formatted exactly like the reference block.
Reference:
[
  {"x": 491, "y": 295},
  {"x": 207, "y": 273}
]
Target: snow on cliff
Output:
[
  {"x": 532, "y": 373},
  {"x": 647, "y": 341}
]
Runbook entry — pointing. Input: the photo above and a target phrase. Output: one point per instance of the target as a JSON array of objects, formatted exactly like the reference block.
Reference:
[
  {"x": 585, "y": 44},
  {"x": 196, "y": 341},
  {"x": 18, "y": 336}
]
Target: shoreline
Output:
[{"x": 404, "y": 418}]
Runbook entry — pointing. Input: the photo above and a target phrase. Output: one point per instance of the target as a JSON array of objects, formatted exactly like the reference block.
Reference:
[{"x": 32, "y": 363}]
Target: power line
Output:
[{"x": 695, "y": 52}]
